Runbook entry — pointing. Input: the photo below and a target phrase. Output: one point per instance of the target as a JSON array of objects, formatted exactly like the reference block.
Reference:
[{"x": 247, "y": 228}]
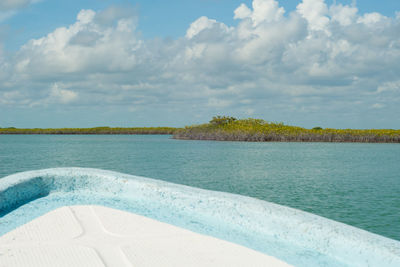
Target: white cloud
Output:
[
  {"x": 332, "y": 60},
  {"x": 371, "y": 18},
  {"x": 83, "y": 46},
  {"x": 199, "y": 25},
  {"x": 60, "y": 95},
  {"x": 315, "y": 12},
  {"x": 345, "y": 15},
  {"x": 85, "y": 16},
  {"x": 263, "y": 11},
  {"x": 266, "y": 10},
  {"x": 242, "y": 12},
  {"x": 202, "y": 24}
]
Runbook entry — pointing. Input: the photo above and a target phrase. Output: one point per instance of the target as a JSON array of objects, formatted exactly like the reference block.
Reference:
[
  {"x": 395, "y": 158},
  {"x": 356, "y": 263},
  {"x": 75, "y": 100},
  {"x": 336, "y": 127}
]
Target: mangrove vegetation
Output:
[
  {"x": 96, "y": 130},
  {"x": 224, "y": 128}
]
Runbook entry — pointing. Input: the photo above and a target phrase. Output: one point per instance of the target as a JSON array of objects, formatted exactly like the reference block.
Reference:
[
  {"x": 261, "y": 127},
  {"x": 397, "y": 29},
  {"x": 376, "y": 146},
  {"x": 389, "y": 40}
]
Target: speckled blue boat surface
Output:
[{"x": 297, "y": 237}]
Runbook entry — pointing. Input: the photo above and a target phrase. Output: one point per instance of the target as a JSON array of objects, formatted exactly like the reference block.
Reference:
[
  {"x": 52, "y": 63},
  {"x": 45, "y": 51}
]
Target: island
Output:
[{"x": 224, "y": 128}]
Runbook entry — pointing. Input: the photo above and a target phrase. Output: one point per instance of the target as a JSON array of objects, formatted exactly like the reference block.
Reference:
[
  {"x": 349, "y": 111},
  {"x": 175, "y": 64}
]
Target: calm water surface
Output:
[{"x": 358, "y": 184}]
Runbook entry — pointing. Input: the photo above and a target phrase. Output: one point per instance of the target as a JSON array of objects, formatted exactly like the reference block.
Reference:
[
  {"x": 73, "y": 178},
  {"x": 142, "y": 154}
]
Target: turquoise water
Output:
[
  {"x": 358, "y": 184},
  {"x": 296, "y": 237}
]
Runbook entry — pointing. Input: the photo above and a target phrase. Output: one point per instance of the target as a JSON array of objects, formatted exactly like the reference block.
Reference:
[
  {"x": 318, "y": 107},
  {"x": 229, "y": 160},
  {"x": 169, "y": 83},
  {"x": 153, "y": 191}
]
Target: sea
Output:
[{"x": 354, "y": 183}]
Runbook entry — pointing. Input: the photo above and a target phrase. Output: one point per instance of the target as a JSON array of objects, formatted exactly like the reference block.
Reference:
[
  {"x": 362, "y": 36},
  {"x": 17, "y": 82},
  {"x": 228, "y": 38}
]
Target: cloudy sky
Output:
[{"x": 309, "y": 63}]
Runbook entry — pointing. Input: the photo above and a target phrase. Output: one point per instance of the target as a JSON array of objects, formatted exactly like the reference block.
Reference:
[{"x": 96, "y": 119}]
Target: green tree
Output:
[{"x": 221, "y": 120}]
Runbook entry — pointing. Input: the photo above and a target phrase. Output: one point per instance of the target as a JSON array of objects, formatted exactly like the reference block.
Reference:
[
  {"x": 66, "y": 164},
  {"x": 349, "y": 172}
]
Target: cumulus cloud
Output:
[
  {"x": 317, "y": 61},
  {"x": 345, "y": 15},
  {"x": 371, "y": 18},
  {"x": 263, "y": 11},
  {"x": 242, "y": 12},
  {"x": 314, "y": 11},
  {"x": 204, "y": 24},
  {"x": 85, "y": 46}
]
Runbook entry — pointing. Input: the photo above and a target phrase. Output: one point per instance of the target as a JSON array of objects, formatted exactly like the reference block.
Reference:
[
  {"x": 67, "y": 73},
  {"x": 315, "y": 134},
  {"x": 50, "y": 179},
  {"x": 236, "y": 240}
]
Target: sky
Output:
[{"x": 87, "y": 63}]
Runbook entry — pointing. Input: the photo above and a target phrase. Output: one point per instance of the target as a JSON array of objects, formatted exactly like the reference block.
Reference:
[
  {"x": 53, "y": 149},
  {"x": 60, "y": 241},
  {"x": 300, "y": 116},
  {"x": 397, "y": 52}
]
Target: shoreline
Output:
[
  {"x": 222, "y": 128},
  {"x": 284, "y": 141},
  {"x": 90, "y": 131},
  {"x": 257, "y": 130}
]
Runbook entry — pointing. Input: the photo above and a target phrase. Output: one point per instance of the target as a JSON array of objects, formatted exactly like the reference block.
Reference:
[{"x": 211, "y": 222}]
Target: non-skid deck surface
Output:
[{"x": 99, "y": 236}]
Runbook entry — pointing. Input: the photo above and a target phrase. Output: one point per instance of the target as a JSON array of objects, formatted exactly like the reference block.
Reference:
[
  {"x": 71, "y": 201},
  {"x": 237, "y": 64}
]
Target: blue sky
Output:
[
  {"x": 147, "y": 63},
  {"x": 157, "y": 18}
]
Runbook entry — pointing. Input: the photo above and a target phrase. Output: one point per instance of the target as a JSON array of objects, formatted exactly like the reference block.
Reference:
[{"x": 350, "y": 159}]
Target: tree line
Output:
[{"x": 95, "y": 130}]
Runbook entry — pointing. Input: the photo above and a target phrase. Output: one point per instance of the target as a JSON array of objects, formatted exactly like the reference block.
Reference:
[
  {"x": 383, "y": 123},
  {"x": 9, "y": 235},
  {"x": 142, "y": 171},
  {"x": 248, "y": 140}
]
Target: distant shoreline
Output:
[
  {"x": 232, "y": 129},
  {"x": 91, "y": 131}
]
